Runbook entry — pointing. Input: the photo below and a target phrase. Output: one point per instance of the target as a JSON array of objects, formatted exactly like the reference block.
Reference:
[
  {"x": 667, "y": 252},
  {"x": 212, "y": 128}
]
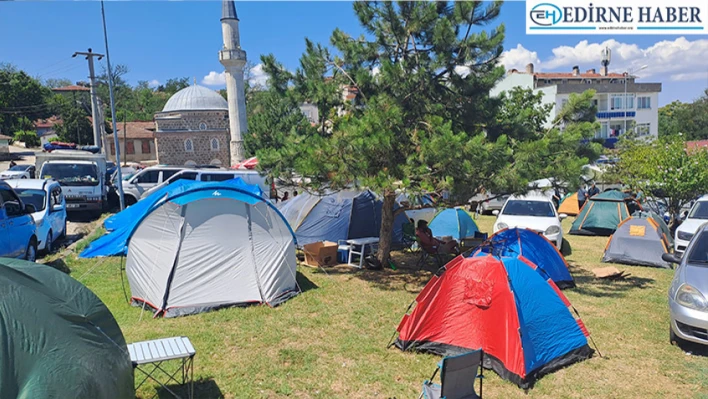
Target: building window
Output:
[
  {"x": 604, "y": 132},
  {"x": 644, "y": 103},
  {"x": 642, "y": 129},
  {"x": 130, "y": 147},
  {"x": 188, "y": 145},
  {"x": 616, "y": 102},
  {"x": 216, "y": 162},
  {"x": 202, "y": 126},
  {"x": 215, "y": 144},
  {"x": 146, "y": 146},
  {"x": 616, "y": 129}
]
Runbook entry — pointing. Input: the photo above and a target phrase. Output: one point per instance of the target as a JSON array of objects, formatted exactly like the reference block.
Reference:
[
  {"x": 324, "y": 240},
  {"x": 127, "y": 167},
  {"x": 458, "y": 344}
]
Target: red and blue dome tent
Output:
[
  {"x": 501, "y": 305},
  {"x": 546, "y": 258}
]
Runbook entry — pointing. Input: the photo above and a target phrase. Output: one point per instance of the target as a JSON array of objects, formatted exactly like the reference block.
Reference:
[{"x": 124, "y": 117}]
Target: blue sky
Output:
[{"x": 163, "y": 39}]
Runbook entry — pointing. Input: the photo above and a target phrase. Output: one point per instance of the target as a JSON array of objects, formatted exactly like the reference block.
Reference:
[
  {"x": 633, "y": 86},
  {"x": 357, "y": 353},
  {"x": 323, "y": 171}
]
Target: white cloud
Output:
[
  {"x": 518, "y": 58},
  {"x": 257, "y": 77},
  {"x": 214, "y": 79},
  {"x": 154, "y": 83},
  {"x": 679, "y": 59}
]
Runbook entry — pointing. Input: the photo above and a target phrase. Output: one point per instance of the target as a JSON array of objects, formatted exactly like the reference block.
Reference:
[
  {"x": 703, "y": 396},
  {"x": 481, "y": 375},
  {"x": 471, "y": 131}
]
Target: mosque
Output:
[{"x": 197, "y": 126}]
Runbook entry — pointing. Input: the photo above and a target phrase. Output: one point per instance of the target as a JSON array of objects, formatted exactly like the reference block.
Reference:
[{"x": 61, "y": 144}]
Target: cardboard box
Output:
[{"x": 323, "y": 253}]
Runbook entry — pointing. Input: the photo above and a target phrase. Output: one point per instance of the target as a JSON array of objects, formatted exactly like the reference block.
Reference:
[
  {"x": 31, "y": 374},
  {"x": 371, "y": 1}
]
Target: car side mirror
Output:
[
  {"x": 495, "y": 212},
  {"x": 562, "y": 216},
  {"x": 29, "y": 208},
  {"x": 57, "y": 208},
  {"x": 671, "y": 258}
]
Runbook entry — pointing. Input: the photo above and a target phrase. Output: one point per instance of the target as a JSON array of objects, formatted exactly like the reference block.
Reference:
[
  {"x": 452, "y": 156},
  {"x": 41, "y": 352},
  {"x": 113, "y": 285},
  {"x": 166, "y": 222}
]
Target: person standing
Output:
[
  {"x": 582, "y": 197},
  {"x": 593, "y": 190}
]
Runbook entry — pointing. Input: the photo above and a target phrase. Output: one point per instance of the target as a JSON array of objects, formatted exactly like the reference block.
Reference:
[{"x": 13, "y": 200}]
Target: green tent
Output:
[
  {"x": 58, "y": 339},
  {"x": 601, "y": 214}
]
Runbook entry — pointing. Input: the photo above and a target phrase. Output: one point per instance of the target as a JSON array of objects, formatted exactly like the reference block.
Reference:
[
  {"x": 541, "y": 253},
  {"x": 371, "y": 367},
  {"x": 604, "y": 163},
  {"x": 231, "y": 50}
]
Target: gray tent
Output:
[
  {"x": 639, "y": 240},
  {"x": 211, "y": 246}
]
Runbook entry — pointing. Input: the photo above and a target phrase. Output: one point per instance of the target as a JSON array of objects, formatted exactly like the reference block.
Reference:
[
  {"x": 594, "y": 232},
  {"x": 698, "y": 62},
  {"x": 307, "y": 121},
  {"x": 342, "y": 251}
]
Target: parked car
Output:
[
  {"x": 136, "y": 185},
  {"x": 487, "y": 203},
  {"x": 50, "y": 209},
  {"x": 18, "y": 237},
  {"x": 688, "y": 293},
  {"x": 532, "y": 211},
  {"x": 23, "y": 171},
  {"x": 696, "y": 217},
  {"x": 248, "y": 176}
]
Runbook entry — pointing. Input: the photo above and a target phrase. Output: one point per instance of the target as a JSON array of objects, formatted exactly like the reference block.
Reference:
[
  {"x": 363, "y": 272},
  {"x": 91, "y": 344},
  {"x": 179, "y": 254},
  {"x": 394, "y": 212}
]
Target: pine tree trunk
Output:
[{"x": 386, "y": 233}]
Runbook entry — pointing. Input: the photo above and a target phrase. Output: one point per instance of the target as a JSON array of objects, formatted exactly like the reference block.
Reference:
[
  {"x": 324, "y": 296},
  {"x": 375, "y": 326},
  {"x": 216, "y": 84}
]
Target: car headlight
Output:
[
  {"x": 691, "y": 298},
  {"x": 552, "y": 230},
  {"x": 502, "y": 226},
  {"x": 682, "y": 235}
]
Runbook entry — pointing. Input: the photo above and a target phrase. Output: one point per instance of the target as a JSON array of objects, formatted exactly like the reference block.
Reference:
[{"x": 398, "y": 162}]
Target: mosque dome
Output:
[{"x": 196, "y": 98}]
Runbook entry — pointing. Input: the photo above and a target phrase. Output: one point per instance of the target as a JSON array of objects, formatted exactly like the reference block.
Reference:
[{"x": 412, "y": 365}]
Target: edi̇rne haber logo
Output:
[{"x": 617, "y": 17}]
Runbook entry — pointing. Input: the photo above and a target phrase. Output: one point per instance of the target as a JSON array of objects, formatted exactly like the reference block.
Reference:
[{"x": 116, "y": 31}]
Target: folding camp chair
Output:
[
  {"x": 409, "y": 240},
  {"x": 457, "y": 378},
  {"x": 426, "y": 254}
]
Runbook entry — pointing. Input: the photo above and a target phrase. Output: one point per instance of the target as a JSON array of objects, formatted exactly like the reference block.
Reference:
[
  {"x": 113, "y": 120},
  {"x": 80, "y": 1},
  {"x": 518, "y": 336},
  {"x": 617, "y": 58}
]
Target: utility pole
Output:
[
  {"x": 113, "y": 111},
  {"x": 94, "y": 104}
]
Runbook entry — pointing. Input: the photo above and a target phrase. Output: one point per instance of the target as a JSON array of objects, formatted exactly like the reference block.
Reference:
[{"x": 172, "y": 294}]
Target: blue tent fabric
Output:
[
  {"x": 122, "y": 225},
  {"x": 130, "y": 214},
  {"x": 548, "y": 330},
  {"x": 534, "y": 247},
  {"x": 338, "y": 216},
  {"x": 453, "y": 222}
]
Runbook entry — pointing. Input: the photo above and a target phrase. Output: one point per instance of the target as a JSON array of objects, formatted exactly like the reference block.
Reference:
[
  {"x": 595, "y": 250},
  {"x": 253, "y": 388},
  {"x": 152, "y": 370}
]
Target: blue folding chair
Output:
[{"x": 457, "y": 378}]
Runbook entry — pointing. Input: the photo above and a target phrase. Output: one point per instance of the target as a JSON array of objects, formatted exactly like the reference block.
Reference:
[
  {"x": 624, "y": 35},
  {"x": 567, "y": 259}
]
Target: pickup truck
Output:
[{"x": 82, "y": 176}]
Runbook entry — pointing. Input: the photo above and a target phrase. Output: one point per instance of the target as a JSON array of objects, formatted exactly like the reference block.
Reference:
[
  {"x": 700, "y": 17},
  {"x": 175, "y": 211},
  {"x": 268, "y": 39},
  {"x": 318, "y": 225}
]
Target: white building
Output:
[{"x": 640, "y": 112}]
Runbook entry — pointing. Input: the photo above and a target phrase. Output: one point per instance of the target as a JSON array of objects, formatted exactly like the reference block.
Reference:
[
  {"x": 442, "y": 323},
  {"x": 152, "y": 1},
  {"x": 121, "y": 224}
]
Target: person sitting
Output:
[{"x": 431, "y": 244}]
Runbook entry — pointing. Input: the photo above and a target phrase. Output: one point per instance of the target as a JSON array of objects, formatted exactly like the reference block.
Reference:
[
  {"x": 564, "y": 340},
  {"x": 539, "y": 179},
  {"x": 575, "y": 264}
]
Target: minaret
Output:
[{"x": 234, "y": 59}]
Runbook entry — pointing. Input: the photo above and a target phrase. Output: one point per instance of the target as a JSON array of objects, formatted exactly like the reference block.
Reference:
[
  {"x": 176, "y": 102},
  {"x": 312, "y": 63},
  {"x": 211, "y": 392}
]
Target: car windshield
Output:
[
  {"x": 699, "y": 211},
  {"x": 19, "y": 168},
  {"x": 528, "y": 208},
  {"x": 699, "y": 250},
  {"x": 71, "y": 174},
  {"x": 34, "y": 197}
]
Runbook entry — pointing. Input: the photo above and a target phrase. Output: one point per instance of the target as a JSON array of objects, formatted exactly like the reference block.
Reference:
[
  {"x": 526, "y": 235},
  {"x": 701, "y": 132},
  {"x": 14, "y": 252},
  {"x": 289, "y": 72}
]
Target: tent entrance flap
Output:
[{"x": 175, "y": 261}]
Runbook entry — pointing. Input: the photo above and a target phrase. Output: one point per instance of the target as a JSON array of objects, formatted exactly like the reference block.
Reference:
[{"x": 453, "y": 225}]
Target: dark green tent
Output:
[
  {"x": 58, "y": 339},
  {"x": 601, "y": 214}
]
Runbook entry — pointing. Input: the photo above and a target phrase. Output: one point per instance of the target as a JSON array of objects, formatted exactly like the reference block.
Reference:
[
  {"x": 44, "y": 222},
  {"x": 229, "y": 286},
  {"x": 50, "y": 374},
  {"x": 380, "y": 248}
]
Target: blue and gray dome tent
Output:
[
  {"x": 337, "y": 216},
  {"x": 203, "y": 246},
  {"x": 535, "y": 247},
  {"x": 454, "y": 222}
]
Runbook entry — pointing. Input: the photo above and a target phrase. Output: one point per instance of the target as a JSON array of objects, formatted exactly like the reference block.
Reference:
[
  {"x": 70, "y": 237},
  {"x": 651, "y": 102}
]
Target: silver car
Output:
[{"x": 688, "y": 294}]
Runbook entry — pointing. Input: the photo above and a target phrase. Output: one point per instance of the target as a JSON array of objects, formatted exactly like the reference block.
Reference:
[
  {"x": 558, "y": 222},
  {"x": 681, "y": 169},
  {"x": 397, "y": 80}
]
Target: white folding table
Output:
[
  {"x": 156, "y": 352},
  {"x": 361, "y": 243}
]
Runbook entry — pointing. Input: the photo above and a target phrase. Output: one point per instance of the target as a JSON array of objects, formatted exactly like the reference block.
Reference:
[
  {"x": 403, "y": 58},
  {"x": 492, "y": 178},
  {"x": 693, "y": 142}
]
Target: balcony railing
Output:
[{"x": 615, "y": 114}]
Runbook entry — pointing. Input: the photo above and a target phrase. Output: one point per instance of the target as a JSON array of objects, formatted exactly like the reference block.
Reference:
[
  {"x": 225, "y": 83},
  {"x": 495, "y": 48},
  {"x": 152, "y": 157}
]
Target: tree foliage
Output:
[
  {"x": 29, "y": 137},
  {"x": 690, "y": 119},
  {"x": 23, "y": 99},
  {"x": 422, "y": 117},
  {"x": 665, "y": 167}
]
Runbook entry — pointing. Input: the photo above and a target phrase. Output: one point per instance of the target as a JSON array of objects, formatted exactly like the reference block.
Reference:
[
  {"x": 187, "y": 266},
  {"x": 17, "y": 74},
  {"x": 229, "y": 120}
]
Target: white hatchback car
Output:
[
  {"x": 50, "y": 205},
  {"x": 532, "y": 211},
  {"x": 696, "y": 217}
]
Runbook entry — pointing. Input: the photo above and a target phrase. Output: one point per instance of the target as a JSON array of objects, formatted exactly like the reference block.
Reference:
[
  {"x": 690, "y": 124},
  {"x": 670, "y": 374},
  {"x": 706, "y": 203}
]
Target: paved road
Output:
[{"x": 26, "y": 156}]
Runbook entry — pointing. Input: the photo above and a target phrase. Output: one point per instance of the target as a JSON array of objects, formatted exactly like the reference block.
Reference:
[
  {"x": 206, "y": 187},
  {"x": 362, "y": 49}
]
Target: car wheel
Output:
[
  {"x": 129, "y": 200},
  {"x": 49, "y": 244},
  {"x": 673, "y": 338},
  {"x": 63, "y": 232},
  {"x": 31, "y": 252}
]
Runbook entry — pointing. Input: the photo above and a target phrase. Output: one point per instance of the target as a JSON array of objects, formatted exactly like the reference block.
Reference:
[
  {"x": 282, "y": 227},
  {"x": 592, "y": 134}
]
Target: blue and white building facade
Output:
[{"x": 638, "y": 111}]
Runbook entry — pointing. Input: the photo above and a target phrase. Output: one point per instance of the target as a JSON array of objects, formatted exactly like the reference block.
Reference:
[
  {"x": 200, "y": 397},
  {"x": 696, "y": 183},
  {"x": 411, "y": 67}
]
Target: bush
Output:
[
  {"x": 53, "y": 139},
  {"x": 28, "y": 137}
]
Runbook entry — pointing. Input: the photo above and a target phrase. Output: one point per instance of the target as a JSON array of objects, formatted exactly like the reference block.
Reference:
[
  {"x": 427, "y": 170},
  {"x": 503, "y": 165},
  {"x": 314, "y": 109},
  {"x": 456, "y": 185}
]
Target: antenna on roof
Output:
[{"x": 606, "y": 56}]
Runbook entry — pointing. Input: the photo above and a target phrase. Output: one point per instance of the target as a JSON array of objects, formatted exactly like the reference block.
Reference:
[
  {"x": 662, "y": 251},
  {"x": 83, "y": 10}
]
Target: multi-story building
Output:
[{"x": 622, "y": 103}]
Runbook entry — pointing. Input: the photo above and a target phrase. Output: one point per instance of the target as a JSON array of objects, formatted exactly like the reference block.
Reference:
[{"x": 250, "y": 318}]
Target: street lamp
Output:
[{"x": 627, "y": 74}]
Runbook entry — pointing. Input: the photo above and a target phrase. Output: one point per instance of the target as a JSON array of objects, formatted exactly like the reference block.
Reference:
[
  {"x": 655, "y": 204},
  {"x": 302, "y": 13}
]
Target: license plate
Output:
[{"x": 71, "y": 206}]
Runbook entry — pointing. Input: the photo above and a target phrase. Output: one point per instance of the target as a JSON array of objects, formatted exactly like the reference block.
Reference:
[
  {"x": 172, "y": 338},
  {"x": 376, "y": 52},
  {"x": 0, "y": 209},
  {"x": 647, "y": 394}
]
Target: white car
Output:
[
  {"x": 137, "y": 184},
  {"x": 696, "y": 217},
  {"x": 23, "y": 171},
  {"x": 532, "y": 211},
  {"x": 50, "y": 209}
]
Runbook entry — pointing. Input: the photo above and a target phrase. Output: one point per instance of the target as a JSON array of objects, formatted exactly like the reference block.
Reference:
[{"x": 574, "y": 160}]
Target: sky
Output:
[{"x": 159, "y": 40}]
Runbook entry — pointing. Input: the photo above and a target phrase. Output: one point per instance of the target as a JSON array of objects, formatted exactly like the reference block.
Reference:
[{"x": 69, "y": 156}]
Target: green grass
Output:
[{"x": 330, "y": 342}]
